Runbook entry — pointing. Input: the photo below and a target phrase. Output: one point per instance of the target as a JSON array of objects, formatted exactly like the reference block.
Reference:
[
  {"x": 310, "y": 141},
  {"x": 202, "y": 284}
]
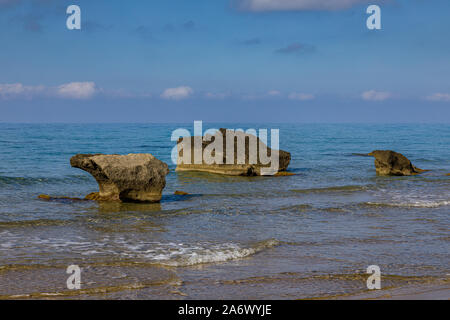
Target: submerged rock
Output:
[
  {"x": 180, "y": 193},
  {"x": 126, "y": 178},
  {"x": 46, "y": 197},
  {"x": 284, "y": 174},
  {"x": 360, "y": 154},
  {"x": 390, "y": 163},
  {"x": 94, "y": 196},
  {"x": 244, "y": 160}
]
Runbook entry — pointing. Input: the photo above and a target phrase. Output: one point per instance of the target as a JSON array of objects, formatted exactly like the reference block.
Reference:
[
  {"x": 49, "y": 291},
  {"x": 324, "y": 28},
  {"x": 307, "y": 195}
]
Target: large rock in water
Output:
[
  {"x": 126, "y": 178},
  {"x": 390, "y": 163},
  {"x": 249, "y": 163}
]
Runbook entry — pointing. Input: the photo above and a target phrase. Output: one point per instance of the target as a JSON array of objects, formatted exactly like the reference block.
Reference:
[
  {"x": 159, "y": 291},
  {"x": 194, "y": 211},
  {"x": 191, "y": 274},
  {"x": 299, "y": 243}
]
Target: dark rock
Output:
[{"x": 390, "y": 163}]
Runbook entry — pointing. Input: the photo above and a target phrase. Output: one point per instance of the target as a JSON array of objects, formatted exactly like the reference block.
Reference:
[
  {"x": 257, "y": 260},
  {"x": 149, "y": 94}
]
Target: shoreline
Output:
[{"x": 411, "y": 292}]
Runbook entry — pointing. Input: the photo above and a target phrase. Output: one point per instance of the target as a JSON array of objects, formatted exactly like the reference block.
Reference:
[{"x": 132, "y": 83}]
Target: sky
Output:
[{"x": 225, "y": 61}]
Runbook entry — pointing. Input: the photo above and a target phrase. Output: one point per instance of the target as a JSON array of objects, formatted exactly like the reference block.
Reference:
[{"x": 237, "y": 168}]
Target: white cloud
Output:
[
  {"x": 77, "y": 90},
  {"x": 72, "y": 90},
  {"x": 298, "y": 5},
  {"x": 439, "y": 97},
  {"x": 373, "y": 95},
  {"x": 178, "y": 93},
  {"x": 273, "y": 93},
  {"x": 301, "y": 96},
  {"x": 10, "y": 90}
]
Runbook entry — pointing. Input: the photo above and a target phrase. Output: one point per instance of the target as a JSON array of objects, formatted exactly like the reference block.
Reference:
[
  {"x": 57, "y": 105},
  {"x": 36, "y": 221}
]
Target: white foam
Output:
[
  {"x": 215, "y": 254},
  {"x": 413, "y": 204}
]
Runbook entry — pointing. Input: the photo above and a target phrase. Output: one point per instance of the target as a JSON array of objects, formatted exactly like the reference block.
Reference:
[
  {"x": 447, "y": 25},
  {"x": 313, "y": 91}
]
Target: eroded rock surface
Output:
[
  {"x": 126, "y": 178},
  {"x": 391, "y": 163},
  {"x": 246, "y": 159}
]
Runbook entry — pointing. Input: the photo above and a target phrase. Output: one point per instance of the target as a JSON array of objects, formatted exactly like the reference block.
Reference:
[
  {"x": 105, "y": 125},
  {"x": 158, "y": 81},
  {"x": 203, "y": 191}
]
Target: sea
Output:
[{"x": 310, "y": 235}]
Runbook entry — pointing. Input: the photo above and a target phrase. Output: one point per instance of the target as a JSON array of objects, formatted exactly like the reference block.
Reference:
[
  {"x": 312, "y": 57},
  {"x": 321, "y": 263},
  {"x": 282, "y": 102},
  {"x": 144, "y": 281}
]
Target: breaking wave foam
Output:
[
  {"x": 161, "y": 253},
  {"x": 413, "y": 204},
  {"x": 221, "y": 253}
]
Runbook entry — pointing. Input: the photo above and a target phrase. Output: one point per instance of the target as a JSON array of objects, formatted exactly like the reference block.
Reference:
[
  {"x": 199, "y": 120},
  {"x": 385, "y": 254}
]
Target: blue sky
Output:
[{"x": 225, "y": 60}]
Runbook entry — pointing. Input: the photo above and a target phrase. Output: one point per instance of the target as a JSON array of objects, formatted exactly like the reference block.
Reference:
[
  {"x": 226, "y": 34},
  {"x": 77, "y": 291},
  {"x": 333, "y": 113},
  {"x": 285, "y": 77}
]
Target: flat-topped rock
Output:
[
  {"x": 126, "y": 178},
  {"x": 391, "y": 163},
  {"x": 244, "y": 161}
]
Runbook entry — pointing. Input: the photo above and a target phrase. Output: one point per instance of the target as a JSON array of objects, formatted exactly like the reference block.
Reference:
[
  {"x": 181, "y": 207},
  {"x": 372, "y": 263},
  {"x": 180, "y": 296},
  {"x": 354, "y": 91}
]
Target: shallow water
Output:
[{"x": 309, "y": 235}]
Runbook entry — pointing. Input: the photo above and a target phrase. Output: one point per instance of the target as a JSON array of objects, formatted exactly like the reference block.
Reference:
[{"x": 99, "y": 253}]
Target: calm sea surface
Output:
[{"x": 309, "y": 235}]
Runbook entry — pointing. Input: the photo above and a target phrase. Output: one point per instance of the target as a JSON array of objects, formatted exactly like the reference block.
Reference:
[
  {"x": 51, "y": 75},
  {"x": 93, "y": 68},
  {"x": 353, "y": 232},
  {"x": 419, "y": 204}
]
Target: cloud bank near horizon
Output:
[
  {"x": 89, "y": 89},
  {"x": 373, "y": 95},
  {"x": 439, "y": 97},
  {"x": 71, "y": 90}
]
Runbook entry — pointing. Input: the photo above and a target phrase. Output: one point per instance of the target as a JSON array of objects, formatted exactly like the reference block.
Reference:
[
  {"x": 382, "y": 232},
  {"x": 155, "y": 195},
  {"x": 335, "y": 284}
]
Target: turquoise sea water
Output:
[{"x": 309, "y": 235}]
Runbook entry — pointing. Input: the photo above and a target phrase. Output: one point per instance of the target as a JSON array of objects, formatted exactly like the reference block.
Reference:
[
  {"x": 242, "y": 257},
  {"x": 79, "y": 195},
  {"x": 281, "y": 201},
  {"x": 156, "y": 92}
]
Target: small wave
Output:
[
  {"x": 154, "y": 146},
  {"x": 335, "y": 210},
  {"x": 415, "y": 204},
  {"x": 27, "y": 181},
  {"x": 351, "y": 188},
  {"x": 155, "y": 253},
  {"x": 359, "y": 154},
  {"x": 215, "y": 254},
  {"x": 298, "y": 207},
  {"x": 32, "y": 223}
]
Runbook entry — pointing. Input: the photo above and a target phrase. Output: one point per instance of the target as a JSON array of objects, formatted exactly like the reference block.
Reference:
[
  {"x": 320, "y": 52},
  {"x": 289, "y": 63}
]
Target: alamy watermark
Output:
[
  {"x": 74, "y": 20},
  {"x": 374, "y": 281},
  {"x": 374, "y": 20},
  {"x": 74, "y": 280}
]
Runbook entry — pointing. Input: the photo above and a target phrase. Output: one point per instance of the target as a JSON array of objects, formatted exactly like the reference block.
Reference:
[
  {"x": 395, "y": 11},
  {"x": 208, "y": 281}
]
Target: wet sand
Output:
[{"x": 426, "y": 292}]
